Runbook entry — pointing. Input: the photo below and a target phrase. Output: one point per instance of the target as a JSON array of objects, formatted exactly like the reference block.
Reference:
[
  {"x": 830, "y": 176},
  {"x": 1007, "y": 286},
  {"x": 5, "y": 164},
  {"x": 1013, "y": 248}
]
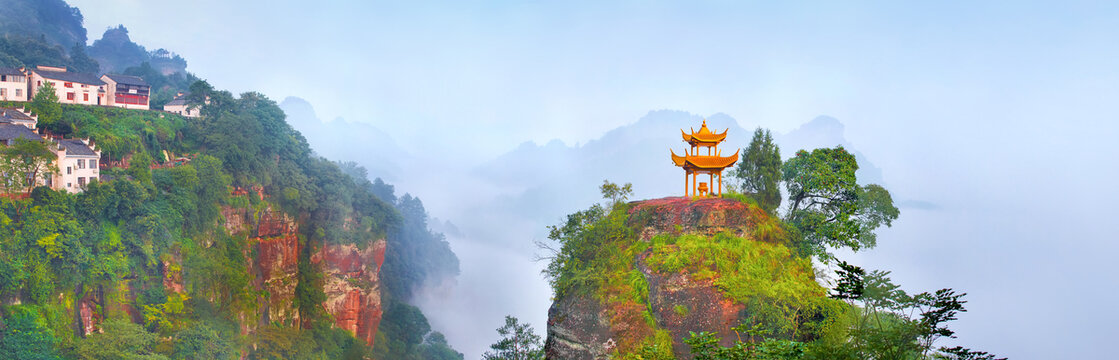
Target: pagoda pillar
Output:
[
  {"x": 720, "y": 183},
  {"x": 686, "y": 184},
  {"x": 695, "y": 183}
]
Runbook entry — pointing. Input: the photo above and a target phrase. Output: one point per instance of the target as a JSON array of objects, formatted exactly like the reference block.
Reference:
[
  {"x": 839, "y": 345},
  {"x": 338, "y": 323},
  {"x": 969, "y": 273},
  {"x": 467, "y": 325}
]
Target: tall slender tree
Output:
[
  {"x": 759, "y": 170},
  {"x": 518, "y": 342}
]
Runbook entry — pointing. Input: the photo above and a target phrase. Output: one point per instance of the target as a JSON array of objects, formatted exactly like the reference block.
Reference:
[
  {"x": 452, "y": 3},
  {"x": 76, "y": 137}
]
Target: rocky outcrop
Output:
[
  {"x": 235, "y": 220},
  {"x": 682, "y": 304},
  {"x": 89, "y": 318},
  {"x": 581, "y": 327},
  {"x": 351, "y": 273},
  {"x": 677, "y": 215},
  {"x": 352, "y": 286},
  {"x": 277, "y": 265}
]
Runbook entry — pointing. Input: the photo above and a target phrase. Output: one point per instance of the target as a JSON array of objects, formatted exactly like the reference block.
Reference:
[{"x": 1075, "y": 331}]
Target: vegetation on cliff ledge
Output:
[{"x": 765, "y": 271}]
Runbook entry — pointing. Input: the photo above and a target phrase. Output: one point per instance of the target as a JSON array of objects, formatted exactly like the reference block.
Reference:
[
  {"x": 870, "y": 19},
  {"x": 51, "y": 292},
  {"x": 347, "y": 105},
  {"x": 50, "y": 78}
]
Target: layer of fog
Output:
[{"x": 497, "y": 207}]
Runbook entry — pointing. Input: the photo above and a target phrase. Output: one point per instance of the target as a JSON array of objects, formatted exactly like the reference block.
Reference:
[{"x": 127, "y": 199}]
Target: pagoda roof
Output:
[
  {"x": 704, "y": 135},
  {"x": 706, "y": 162}
]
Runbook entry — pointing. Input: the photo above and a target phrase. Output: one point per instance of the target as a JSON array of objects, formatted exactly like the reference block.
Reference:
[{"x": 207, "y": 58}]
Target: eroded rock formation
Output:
[
  {"x": 352, "y": 286},
  {"x": 581, "y": 327}
]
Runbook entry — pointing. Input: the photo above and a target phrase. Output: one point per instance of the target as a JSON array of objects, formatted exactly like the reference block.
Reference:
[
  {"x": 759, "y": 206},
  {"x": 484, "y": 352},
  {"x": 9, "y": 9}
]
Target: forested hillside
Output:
[
  {"x": 169, "y": 260},
  {"x": 55, "y": 21}
]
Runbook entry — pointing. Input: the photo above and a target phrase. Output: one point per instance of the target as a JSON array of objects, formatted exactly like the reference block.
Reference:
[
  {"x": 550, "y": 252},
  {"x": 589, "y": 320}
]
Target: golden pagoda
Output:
[{"x": 711, "y": 164}]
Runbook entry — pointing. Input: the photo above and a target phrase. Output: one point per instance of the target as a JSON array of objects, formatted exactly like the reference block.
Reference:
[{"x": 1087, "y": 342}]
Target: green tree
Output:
[
  {"x": 203, "y": 342},
  {"x": 436, "y": 348},
  {"x": 518, "y": 342},
  {"x": 828, "y": 207},
  {"x": 80, "y": 60},
  {"x": 23, "y": 163},
  {"x": 759, "y": 170},
  {"x": 120, "y": 339},
  {"x": 45, "y": 104},
  {"x": 617, "y": 194},
  {"x": 24, "y": 335},
  {"x": 705, "y": 346}
]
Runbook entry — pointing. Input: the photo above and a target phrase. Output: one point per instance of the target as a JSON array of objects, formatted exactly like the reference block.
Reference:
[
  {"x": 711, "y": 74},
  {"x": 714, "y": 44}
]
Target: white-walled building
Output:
[
  {"x": 71, "y": 87},
  {"x": 179, "y": 105},
  {"x": 77, "y": 160},
  {"x": 13, "y": 84},
  {"x": 19, "y": 117},
  {"x": 126, "y": 91},
  {"x": 77, "y": 165}
]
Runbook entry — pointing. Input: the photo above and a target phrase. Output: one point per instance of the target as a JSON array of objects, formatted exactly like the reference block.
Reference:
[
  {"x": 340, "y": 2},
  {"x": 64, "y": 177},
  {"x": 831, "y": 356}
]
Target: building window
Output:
[
  {"x": 70, "y": 96},
  {"x": 19, "y": 92},
  {"x": 67, "y": 172},
  {"x": 81, "y": 163},
  {"x": 3, "y": 92},
  {"x": 81, "y": 181},
  {"x": 93, "y": 164},
  {"x": 39, "y": 84},
  {"x": 3, "y": 77},
  {"x": 67, "y": 184},
  {"x": 69, "y": 84}
]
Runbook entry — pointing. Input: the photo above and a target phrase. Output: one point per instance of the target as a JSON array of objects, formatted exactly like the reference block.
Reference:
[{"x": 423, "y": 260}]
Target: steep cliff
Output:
[
  {"x": 670, "y": 267},
  {"x": 352, "y": 286},
  {"x": 351, "y": 273}
]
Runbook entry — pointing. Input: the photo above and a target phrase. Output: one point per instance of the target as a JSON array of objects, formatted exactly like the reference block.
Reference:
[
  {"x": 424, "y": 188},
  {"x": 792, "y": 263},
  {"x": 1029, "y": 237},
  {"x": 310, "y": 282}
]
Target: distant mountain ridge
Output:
[
  {"x": 342, "y": 140},
  {"x": 554, "y": 179}
]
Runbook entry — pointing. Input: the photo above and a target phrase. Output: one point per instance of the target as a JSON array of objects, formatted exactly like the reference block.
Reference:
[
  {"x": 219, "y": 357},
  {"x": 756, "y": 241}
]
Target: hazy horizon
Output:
[{"x": 993, "y": 124}]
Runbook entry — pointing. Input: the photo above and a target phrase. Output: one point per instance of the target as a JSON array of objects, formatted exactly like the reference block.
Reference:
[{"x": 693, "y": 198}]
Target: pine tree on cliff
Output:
[
  {"x": 518, "y": 342},
  {"x": 760, "y": 170}
]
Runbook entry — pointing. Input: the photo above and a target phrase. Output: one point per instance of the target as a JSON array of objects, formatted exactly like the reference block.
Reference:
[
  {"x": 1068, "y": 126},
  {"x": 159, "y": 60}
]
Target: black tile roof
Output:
[
  {"x": 67, "y": 76},
  {"x": 15, "y": 131},
  {"x": 176, "y": 102},
  {"x": 76, "y": 147},
  {"x": 9, "y": 71},
  {"x": 127, "y": 79},
  {"x": 13, "y": 114}
]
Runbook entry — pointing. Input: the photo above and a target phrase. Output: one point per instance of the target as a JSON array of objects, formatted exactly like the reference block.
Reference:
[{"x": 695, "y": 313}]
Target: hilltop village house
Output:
[
  {"x": 71, "y": 87},
  {"x": 126, "y": 91},
  {"x": 13, "y": 84},
  {"x": 77, "y": 159},
  {"x": 179, "y": 105}
]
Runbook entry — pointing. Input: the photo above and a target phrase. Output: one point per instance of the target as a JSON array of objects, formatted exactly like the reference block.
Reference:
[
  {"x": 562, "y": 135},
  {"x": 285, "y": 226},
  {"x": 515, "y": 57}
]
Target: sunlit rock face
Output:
[
  {"x": 277, "y": 265},
  {"x": 581, "y": 326},
  {"x": 351, "y": 273},
  {"x": 351, "y": 281}
]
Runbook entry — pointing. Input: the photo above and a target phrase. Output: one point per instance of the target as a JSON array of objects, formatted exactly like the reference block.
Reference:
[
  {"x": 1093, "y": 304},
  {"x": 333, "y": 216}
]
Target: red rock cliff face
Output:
[
  {"x": 277, "y": 265},
  {"x": 352, "y": 286},
  {"x": 351, "y": 273}
]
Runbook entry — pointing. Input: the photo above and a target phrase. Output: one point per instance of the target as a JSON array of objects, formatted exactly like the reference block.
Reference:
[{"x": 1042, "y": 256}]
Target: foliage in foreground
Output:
[{"x": 518, "y": 342}]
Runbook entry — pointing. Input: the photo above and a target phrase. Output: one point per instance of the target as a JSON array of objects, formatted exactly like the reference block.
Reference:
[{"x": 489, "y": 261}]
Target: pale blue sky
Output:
[{"x": 1003, "y": 112}]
